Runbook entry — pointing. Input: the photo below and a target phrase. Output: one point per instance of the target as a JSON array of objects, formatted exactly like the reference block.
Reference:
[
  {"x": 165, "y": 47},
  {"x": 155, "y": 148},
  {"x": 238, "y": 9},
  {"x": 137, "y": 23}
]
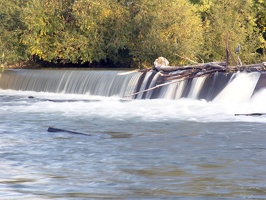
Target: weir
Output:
[{"x": 217, "y": 86}]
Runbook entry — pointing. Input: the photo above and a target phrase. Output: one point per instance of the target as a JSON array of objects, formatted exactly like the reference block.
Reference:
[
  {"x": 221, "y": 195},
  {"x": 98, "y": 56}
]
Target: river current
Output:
[{"x": 135, "y": 149}]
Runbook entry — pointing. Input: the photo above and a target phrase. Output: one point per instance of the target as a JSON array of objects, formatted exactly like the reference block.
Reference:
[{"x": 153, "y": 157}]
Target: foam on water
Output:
[
  {"x": 136, "y": 147},
  {"x": 145, "y": 110}
]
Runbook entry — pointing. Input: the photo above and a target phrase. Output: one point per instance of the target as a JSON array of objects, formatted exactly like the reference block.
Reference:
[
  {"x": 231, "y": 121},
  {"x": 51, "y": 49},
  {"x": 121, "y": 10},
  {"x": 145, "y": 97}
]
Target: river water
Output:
[{"x": 139, "y": 149}]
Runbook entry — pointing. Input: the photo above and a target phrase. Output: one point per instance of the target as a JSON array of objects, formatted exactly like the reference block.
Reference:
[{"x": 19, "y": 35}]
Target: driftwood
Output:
[
  {"x": 251, "y": 114},
  {"x": 69, "y": 100},
  {"x": 173, "y": 81},
  {"x": 215, "y": 65},
  {"x": 179, "y": 74},
  {"x": 63, "y": 100},
  {"x": 251, "y": 67},
  {"x": 220, "y": 65},
  {"x": 175, "y": 74},
  {"x": 194, "y": 74},
  {"x": 53, "y": 130}
]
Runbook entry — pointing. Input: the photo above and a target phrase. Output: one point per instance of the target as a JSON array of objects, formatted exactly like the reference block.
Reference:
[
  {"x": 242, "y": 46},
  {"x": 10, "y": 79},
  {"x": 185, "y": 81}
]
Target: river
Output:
[{"x": 135, "y": 149}]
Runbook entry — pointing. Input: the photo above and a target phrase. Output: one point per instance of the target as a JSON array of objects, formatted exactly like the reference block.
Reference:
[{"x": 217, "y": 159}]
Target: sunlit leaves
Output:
[
  {"x": 130, "y": 32},
  {"x": 259, "y": 7},
  {"x": 234, "y": 17},
  {"x": 11, "y": 28},
  {"x": 171, "y": 29}
]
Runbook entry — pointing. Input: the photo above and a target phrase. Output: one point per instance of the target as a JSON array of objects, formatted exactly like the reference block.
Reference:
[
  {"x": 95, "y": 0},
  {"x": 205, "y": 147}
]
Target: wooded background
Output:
[{"x": 131, "y": 33}]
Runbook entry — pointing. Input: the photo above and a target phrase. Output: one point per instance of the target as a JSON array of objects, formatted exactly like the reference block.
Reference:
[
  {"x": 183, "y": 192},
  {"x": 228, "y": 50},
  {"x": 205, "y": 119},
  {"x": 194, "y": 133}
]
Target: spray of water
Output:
[
  {"x": 160, "y": 110},
  {"x": 100, "y": 94}
]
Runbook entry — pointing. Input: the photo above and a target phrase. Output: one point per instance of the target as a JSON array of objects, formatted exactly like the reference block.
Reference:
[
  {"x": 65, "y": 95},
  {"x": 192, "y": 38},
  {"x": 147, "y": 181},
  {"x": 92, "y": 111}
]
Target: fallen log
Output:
[
  {"x": 63, "y": 100},
  {"x": 185, "y": 74},
  {"x": 251, "y": 114},
  {"x": 212, "y": 65},
  {"x": 175, "y": 80},
  {"x": 257, "y": 65},
  {"x": 54, "y": 130},
  {"x": 70, "y": 100},
  {"x": 215, "y": 65},
  {"x": 175, "y": 74},
  {"x": 161, "y": 65}
]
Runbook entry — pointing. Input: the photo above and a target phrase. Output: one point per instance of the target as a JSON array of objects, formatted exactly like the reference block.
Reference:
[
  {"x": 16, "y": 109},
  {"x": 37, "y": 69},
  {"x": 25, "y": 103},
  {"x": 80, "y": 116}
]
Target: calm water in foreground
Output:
[{"x": 150, "y": 149}]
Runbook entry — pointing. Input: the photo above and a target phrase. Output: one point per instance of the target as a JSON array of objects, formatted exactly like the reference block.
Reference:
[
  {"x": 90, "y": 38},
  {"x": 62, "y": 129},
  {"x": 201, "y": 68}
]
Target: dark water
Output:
[{"x": 181, "y": 150}]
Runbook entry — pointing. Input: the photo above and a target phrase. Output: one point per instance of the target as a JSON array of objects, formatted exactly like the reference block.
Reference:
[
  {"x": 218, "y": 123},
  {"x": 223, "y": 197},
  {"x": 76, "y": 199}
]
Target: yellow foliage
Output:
[
  {"x": 172, "y": 27},
  {"x": 139, "y": 30}
]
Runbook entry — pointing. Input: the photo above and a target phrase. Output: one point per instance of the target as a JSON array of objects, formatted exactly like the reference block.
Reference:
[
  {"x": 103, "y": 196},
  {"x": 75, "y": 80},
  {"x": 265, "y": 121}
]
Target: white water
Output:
[
  {"x": 173, "y": 91},
  {"x": 240, "y": 89},
  {"x": 197, "y": 84},
  {"x": 138, "y": 149},
  {"x": 147, "y": 110},
  {"x": 235, "y": 98}
]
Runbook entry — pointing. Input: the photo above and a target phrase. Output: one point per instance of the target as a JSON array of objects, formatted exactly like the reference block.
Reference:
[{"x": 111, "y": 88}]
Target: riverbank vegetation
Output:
[{"x": 130, "y": 33}]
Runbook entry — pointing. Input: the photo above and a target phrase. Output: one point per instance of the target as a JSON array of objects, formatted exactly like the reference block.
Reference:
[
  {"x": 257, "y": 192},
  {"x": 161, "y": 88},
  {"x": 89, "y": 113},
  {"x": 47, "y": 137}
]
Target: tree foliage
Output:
[
  {"x": 11, "y": 29},
  {"x": 237, "y": 18},
  {"x": 259, "y": 7},
  {"x": 104, "y": 26},
  {"x": 49, "y": 29},
  {"x": 173, "y": 29},
  {"x": 131, "y": 33}
]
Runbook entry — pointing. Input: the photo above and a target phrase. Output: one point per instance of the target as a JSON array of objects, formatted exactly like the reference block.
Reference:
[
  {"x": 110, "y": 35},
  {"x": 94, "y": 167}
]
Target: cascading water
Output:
[
  {"x": 217, "y": 87},
  {"x": 187, "y": 141},
  {"x": 100, "y": 83},
  {"x": 239, "y": 89}
]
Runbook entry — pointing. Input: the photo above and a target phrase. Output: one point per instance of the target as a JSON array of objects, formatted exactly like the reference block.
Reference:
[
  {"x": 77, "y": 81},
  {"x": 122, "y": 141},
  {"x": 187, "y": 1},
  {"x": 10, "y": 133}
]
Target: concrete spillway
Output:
[{"x": 212, "y": 87}]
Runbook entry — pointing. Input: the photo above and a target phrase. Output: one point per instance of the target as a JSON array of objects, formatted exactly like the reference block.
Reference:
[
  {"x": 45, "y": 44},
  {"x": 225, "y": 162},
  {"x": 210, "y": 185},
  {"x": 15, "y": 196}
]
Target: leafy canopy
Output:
[{"x": 131, "y": 33}]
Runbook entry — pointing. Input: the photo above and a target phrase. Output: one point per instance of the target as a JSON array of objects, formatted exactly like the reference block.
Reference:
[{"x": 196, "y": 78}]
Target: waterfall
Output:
[
  {"x": 214, "y": 87},
  {"x": 239, "y": 89},
  {"x": 89, "y": 82}
]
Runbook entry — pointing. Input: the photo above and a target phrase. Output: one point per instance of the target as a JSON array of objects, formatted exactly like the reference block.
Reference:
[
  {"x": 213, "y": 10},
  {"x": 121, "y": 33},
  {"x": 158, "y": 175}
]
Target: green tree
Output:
[
  {"x": 11, "y": 29},
  {"x": 259, "y": 10},
  {"x": 104, "y": 24},
  {"x": 49, "y": 30},
  {"x": 169, "y": 28},
  {"x": 75, "y": 31},
  {"x": 131, "y": 32},
  {"x": 234, "y": 17}
]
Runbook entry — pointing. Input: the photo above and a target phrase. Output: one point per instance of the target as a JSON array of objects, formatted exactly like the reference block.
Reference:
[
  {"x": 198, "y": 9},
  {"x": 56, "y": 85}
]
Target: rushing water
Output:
[{"x": 137, "y": 149}]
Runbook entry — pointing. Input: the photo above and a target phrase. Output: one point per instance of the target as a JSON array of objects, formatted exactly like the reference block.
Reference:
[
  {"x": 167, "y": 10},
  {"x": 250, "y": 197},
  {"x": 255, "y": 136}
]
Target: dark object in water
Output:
[
  {"x": 63, "y": 100},
  {"x": 251, "y": 114},
  {"x": 71, "y": 100},
  {"x": 53, "y": 130}
]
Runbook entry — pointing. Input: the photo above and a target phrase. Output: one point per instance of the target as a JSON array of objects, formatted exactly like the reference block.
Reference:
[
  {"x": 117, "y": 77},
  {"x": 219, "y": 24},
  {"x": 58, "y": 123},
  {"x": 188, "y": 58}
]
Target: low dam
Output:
[
  {"x": 135, "y": 85},
  {"x": 109, "y": 134}
]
